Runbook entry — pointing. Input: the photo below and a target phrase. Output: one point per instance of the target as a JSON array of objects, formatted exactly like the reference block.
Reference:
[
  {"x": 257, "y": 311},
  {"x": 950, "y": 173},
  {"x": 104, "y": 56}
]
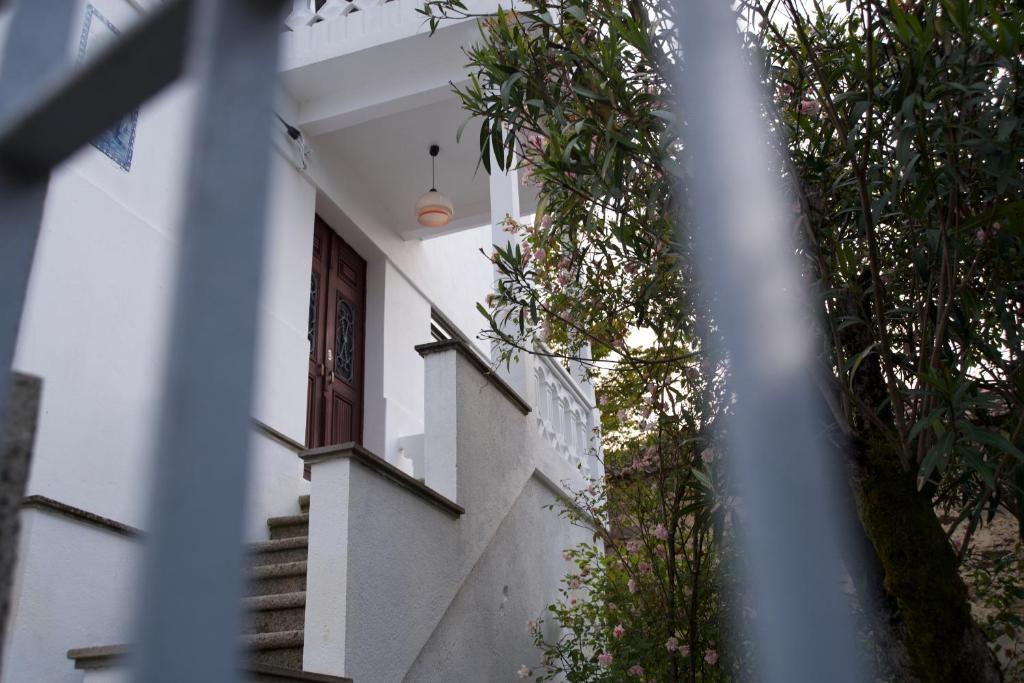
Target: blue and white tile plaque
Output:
[{"x": 118, "y": 143}]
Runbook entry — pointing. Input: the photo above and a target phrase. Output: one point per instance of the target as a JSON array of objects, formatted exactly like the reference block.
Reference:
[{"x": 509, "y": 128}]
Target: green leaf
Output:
[
  {"x": 858, "y": 359},
  {"x": 994, "y": 439},
  {"x": 935, "y": 459}
]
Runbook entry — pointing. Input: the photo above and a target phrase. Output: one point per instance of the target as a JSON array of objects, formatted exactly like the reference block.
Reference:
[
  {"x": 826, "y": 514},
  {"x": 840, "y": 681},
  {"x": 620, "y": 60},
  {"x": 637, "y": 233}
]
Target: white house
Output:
[{"x": 418, "y": 554}]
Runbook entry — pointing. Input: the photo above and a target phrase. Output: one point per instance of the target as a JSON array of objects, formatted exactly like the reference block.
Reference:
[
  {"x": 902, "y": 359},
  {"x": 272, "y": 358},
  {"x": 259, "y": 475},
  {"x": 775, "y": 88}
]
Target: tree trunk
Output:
[{"x": 920, "y": 573}]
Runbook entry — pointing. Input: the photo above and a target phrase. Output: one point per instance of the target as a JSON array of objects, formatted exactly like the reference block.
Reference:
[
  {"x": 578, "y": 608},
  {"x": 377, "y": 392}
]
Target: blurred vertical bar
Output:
[
  {"x": 35, "y": 48},
  {"x": 786, "y": 475},
  {"x": 190, "y": 616}
]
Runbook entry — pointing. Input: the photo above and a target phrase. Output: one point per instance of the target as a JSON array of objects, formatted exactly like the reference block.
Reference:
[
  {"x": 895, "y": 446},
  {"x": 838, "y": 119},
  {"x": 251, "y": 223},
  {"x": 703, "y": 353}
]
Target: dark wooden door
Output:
[{"x": 337, "y": 322}]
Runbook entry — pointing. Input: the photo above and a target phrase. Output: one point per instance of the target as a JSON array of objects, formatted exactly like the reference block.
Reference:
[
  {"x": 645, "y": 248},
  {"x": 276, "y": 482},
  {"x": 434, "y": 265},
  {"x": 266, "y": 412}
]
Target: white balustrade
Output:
[
  {"x": 305, "y": 12},
  {"x": 566, "y": 416}
]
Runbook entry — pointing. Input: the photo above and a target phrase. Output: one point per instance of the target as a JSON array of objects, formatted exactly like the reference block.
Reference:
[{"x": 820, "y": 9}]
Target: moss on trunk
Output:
[{"x": 921, "y": 574}]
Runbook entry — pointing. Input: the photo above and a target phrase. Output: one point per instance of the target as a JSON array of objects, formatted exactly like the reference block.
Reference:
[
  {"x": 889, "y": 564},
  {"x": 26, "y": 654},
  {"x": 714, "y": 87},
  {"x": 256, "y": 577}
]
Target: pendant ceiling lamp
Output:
[{"x": 433, "y": 209}]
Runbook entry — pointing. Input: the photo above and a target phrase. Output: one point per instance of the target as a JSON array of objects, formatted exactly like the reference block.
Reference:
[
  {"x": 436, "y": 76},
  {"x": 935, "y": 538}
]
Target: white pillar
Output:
[
  {"x": 504, "y": 187},
  {"x": 440, "y": 438},
  {"x": 579, "y": 372},
  {"x": 327, "y": 566}
]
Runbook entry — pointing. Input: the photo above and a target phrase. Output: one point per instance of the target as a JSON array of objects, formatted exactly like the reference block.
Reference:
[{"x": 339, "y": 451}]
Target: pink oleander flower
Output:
[
  {"x": 566, "y": 556},
  {"x": 621, "y": 415},
  {"x": 545, "y": 222},
  {"x": 572, "y": 602},
  {"x": 539, "y": 255},
  {"x": 684, "y": 651},
  {"x": 574, "y": 582},
  {"x": 660, "y": 551},
  {"x": 605, "y": 659},
  {"x": 672, "y": 644},
  {"x": 619, "y": 631},
  {"x": 711, "y": 656},
  {"x": 707, "y": 455},
  {"x": 981, "y": 236},
  {"x": 526, "y": 173},
  {"x": 633, "y": 546},
  {"x": 524, "y": 671},
  {"x": 810, "y": 107},
  {"x": 644, "y": 567},
  {"x": 631, "y": 585},
  {"x": 603, "y": 400},
  {"x": 661, "y": 532},
  {"x": 636, "y": 670},
  {"x": 531, "y": 626},
  {"x": 787, "y": 89}
]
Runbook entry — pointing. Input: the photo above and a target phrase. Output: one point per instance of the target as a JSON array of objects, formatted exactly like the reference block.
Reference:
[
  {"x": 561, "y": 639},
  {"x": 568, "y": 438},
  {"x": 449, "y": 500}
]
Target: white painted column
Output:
[
  {"x": 327, "y": 565},
  {"x": 592, "y": 420},
  {"x": 579, "y": 372},
  {"x": 504, "y": 187},
  {"x": 440, "y": 439}
]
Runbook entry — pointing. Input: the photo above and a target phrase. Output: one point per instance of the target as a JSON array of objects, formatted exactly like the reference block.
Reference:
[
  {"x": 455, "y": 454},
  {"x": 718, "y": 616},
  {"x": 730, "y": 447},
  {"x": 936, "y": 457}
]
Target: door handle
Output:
[{"x": 329, "y": 368}]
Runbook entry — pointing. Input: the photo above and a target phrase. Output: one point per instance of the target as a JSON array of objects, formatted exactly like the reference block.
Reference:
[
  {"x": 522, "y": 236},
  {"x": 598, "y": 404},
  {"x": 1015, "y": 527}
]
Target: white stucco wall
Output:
[
  {"x": 71, "y": 590},
  {"x": 447, "y": 598}
]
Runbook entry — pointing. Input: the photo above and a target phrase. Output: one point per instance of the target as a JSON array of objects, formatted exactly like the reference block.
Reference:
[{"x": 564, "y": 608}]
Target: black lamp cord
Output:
[{"x": 293, "y": 132}]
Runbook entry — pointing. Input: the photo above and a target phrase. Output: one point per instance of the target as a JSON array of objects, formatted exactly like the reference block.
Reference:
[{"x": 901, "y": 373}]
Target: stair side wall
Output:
[
  {"x": 74, "y": 586},
  {"x": 483, "y": 635},
  {"x": 409, "y": 560}
]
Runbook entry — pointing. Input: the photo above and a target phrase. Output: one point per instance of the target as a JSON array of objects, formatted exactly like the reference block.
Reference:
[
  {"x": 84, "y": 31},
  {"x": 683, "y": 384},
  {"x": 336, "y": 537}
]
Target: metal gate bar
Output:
[
  {"x": 190, "y": 612},
  {"x": 36, "y": 47},
  {"x": 191, "y": 608},
  {"x": 785, "y": 472}
]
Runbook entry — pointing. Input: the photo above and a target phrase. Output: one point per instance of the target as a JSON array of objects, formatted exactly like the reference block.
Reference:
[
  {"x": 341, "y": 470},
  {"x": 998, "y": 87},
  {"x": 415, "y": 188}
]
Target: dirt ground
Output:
[{"x": 994, "y": 573}]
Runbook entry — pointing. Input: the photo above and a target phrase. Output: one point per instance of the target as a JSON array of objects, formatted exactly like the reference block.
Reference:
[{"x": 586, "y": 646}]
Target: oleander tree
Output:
[{"x": 902, "y": 123}]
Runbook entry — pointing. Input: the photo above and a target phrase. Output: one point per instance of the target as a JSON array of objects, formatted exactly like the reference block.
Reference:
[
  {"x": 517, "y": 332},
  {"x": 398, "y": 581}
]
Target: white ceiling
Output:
[{"x": 387, "y": 160}]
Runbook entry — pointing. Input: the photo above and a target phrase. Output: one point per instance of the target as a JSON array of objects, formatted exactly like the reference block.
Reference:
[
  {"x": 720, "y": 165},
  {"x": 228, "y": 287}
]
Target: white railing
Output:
[
  {"x": 565, "y": 414},
  {"x": 305, "y": 12}
]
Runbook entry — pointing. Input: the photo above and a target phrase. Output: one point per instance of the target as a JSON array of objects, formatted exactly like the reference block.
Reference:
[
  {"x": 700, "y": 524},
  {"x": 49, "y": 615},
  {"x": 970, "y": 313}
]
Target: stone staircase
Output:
[
  {"x": 277, "y": 591},
  {"x": 276, "y": 605}
]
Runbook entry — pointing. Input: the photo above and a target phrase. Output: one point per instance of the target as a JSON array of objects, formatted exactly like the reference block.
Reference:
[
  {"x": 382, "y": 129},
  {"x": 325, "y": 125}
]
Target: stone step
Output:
[
  {"x": 261, "y": 673},
  {"x": 271, "y": 579},
  {"x": 281, "y": 649},
  {"x": 304, "y": 503},
  {"x": 274, "y": 658},
  {"x": 278, "y": 612},
  {"x": 290, "y": 526},
  {"x": 294, "y": 549}
]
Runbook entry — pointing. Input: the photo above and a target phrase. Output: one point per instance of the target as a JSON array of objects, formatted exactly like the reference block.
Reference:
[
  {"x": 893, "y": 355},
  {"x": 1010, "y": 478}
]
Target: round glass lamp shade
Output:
[{"x": 434, "y": 210}]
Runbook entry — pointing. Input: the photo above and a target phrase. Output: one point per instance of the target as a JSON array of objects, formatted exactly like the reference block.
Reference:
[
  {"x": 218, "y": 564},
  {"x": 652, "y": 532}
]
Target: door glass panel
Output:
[
  {"x": 345, "y": 341},
  {"x": 314, "y": 297}
]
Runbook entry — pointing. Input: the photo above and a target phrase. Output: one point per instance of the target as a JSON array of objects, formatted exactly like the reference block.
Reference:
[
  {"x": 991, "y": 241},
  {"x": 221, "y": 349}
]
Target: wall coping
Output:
[
  {"x": 79, "y": 515},
  {"x": 275, "y": 435},
  {"x": 487, "y": 371},
  {"x": 385, "y": 469}
]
